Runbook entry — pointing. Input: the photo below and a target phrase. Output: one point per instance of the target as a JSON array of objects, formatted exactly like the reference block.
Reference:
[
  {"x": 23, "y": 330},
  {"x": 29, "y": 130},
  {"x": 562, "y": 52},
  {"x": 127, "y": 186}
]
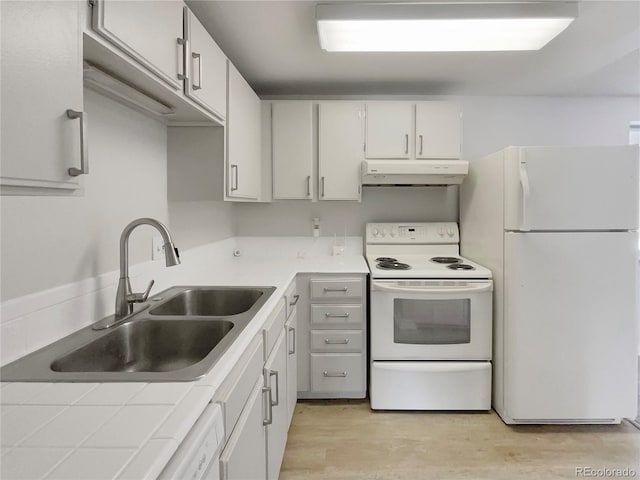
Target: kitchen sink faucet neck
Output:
[{"x": 125, "y": 298}]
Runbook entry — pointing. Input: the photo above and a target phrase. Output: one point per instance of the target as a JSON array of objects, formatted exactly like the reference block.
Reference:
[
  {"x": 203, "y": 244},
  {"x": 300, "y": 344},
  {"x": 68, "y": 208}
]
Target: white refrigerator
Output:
[{"x": 558, "y": 228}]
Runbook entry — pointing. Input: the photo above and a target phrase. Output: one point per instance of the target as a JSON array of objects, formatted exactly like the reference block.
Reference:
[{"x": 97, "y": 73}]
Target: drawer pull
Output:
[
  {"x": 269, "y": 419},
  {"x": 336, "y": 342},
  {"x": 276, "y": 402},
  {"x": 334, "y": 374},
  {"x": 295, "y": 301},
  {"x": 292, "y": 350},
  {"x": 336, "y": 315},
  {"x": 344, "y": 289}
]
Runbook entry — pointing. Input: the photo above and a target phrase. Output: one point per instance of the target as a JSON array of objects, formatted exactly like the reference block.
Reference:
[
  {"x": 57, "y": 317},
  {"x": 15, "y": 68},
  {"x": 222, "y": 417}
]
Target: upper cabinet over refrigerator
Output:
[{"x": 571, "y": 188}]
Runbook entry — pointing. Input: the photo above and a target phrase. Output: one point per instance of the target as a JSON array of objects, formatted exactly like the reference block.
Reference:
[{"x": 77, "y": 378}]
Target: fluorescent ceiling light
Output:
[{"x": 439, "y": 27}]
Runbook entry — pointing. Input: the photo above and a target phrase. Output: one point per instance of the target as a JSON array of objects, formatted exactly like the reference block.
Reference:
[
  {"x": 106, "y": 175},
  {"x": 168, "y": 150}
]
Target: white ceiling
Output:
[{"x": 275, "y": 46}]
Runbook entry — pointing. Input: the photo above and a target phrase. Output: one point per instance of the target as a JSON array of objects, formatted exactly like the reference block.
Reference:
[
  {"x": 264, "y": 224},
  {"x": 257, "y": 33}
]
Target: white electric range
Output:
[{"x": 431, "y": 316}]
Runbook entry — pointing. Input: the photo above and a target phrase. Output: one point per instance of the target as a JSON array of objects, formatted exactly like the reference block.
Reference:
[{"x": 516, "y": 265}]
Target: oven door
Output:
[{"x": 431, "y": 319}]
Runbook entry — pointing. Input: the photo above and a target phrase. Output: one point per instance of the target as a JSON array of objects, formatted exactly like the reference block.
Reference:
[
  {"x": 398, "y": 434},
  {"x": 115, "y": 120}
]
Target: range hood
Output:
[{"x": 414, "y": 172}]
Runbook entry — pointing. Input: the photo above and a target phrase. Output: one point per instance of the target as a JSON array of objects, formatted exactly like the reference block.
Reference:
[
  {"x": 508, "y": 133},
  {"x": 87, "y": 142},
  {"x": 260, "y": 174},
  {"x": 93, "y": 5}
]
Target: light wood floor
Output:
[{"x": 346, "y": 440}]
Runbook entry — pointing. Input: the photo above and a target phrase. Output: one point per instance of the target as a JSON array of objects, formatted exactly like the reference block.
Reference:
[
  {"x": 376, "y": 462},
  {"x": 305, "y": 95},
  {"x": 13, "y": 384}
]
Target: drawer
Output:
[
  {"x": 341, "y": 341},
  {"x": 273, "y": 327},
  {"x": 337, "y": 288},
  {"x": 337, "y": 316},
  {"x": 291, "y": 298},
  {"x": 236, "y": 389},
  {"x": 331, "y": 372}
]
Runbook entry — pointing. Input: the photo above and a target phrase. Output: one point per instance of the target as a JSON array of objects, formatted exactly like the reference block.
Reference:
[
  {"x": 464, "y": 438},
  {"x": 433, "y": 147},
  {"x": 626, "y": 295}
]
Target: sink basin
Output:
[
  {"x": 209, "y": 302},
  {"x": 147, "y": 346},
  {"x": 178, "y": 335}
]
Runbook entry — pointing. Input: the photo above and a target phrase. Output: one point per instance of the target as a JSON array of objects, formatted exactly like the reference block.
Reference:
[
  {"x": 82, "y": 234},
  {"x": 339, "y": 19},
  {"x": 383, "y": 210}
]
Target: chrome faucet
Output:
[{"x": 125, "y": 298}]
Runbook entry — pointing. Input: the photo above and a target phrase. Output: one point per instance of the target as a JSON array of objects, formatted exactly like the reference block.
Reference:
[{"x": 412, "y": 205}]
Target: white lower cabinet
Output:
[
  {"x": 244, "y": 456},
  {"x": 275, "y": 377},
  {"x": 291, "y": 328},
  {"x": 334, "y": 372},
  {"x": 331, "y": 336}
]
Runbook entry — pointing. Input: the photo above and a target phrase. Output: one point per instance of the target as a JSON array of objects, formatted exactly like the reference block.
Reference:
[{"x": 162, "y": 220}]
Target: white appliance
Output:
[
  {"x": 198, "y": 456},
  {"x": 414, "y": 172},
  {"x": 430, "y": 320},
  {"x": 558, "y": 228}
]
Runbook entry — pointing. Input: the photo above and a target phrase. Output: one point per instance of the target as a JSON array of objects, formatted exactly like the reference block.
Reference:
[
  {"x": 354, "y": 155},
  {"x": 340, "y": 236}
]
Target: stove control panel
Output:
[{"x": 412, "y": 233}]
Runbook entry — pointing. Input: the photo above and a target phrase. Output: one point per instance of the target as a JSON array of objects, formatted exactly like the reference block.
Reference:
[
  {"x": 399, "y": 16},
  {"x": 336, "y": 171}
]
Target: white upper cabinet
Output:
[
  {"x": 41, "y": 79},
  {"x": 243, "y": 129},
  {"x": 389, "y": 129},
  {"x": 206, "y": 67},
  {"x": 150, "y": 31},
  {"x": 292, "y": 149},
  {"x": 438, "y": 130},
  {"x": 340, "y": 149}
]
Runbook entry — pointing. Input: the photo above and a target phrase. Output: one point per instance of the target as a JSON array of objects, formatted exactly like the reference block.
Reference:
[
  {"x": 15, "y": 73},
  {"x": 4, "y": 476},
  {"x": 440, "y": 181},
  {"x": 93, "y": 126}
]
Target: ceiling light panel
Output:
[{"x": 420, "y": 27}]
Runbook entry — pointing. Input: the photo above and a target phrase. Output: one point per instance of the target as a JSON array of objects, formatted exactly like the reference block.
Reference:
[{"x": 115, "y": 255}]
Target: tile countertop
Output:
[{"x": 131, "y": 430}]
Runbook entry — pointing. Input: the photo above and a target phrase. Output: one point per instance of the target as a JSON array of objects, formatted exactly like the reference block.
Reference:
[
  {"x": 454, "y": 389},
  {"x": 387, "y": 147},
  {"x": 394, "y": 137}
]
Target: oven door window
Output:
[{"x": 431, "y": 322}]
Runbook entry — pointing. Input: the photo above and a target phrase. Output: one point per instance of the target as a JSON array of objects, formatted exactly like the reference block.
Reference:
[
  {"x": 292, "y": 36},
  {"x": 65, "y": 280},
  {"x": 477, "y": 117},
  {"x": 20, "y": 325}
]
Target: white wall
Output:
[
  {"x": 379, "y": 204},
  {"x": 490, "y": 124},
  {"x": 195, "y": 166}
]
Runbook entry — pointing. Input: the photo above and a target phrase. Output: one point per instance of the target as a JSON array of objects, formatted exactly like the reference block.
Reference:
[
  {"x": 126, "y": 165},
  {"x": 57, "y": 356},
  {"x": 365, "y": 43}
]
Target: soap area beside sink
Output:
[{"x": 176, "y": 335}]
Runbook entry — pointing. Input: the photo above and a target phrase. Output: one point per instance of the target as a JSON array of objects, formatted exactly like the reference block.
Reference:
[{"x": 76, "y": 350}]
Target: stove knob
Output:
[
  {"x": 450, "y": 231},
  {"x": 393, "y": 232},
  {"x": 441, "y": 232},
  {"x": 384, "y": 232},
  {"x": 375, "y": 232}
]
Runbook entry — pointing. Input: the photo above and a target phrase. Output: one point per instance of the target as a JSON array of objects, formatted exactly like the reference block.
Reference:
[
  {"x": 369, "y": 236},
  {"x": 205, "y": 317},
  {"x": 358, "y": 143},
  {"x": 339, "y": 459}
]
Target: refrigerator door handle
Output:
[{"x": 524, "y": 181}]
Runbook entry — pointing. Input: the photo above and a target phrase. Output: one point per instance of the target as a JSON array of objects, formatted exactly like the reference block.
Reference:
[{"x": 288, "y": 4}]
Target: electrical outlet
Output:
[{"x": 157, "y": 251}]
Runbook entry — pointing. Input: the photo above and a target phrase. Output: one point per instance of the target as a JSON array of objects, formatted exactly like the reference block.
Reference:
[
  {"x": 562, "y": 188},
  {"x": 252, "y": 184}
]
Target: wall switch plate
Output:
[{"x": 157, "y": 251}]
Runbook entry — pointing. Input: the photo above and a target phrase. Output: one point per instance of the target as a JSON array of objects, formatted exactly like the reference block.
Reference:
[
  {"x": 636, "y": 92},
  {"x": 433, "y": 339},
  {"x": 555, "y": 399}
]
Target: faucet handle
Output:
[{"x": 140, "y": 297}]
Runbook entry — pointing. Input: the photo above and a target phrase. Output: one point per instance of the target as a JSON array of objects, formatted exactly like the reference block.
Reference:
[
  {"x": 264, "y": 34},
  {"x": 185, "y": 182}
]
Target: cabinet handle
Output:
[
  {"x": 420, "y": 144},
  {"x": 295, "y": 301},
  {"x": 336, "y": 315},
  {"x": 334, "y": 374},
  {"x": 234, "y": 182},
  {"x": 322, "y": 183},
  {"x": 308, "y": 185},
  {"x": 84, "y": 145},
  {"x": 406, "y": 143},
  {"x": 197, "y": 56},
  {"x": 182, "y": 43},
  {"x": 335, "y": 289},
  {"x": 269, "y": 419},
  {"x": 293, "y": 342},
  {"x": 274, "y": 403},
  {"x": 336, "y": 342}
]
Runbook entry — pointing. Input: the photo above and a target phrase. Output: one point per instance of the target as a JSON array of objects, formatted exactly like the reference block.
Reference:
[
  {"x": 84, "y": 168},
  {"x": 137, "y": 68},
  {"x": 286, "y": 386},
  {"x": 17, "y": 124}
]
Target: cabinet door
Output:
[
  {"x": 389, "y": 128},
  {"x": 207, "y": 67},
  {"x": 292, "y": 149},
  {"x": 438, "y": 130},
  {"x": 340, "y": 149},
  {"x": 41, "y": 78},
  {"x": 292, "y": 365},
  {"x": 244, "y": 456},
  {"x": 276, "y": 378},
  {"x": 149, "y": 31},
  {"x": 243, "y": 138}
]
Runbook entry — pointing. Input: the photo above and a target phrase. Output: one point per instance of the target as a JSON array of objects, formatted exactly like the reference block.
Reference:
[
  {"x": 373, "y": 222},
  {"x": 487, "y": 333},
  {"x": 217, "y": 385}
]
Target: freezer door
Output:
[
  {"x": 571, "y": 188},
  {"x": 570, "y": 326}
]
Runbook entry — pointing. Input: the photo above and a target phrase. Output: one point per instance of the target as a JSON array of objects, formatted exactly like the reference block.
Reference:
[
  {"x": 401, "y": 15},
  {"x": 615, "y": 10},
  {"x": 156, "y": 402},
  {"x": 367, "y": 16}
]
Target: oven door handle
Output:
[{"x": 474, "y": 288}]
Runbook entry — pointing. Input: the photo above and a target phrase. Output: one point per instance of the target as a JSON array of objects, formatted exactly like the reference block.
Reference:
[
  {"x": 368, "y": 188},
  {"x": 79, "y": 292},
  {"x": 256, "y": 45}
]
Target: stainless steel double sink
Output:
[{"x": 178, "y": 335}]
